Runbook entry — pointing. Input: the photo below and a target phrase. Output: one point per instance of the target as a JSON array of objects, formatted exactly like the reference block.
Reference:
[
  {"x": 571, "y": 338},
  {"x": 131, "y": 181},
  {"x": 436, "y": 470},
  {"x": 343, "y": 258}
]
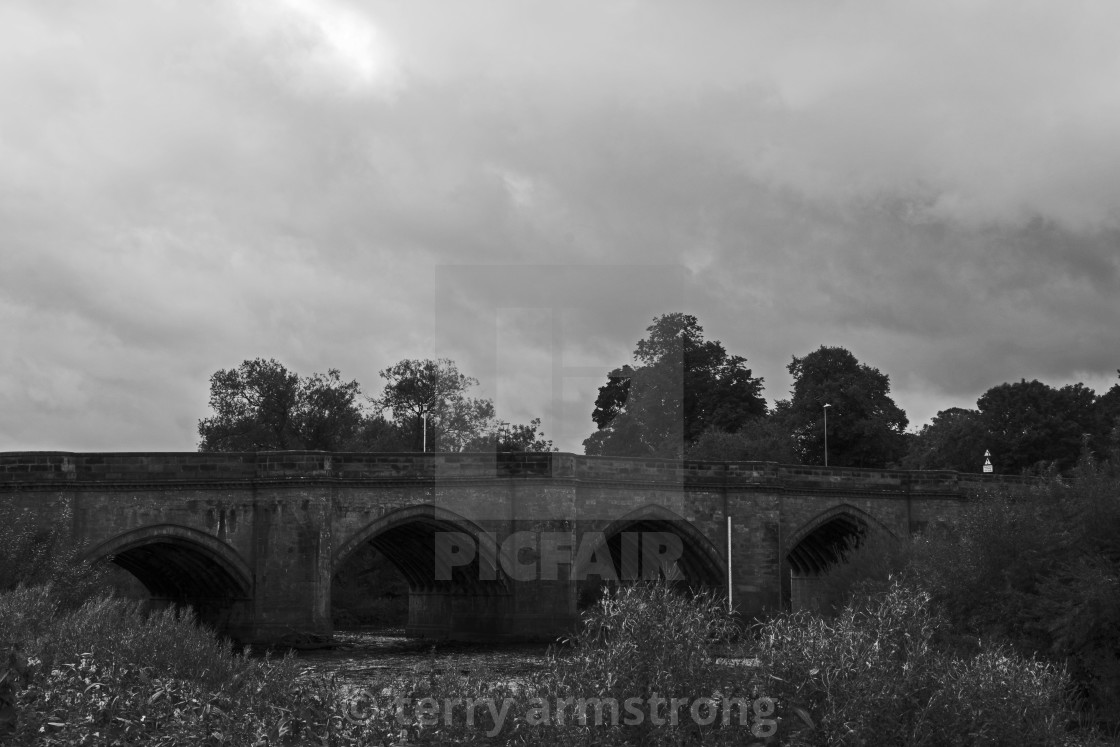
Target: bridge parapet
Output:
[{"x": 52, "y": 468}]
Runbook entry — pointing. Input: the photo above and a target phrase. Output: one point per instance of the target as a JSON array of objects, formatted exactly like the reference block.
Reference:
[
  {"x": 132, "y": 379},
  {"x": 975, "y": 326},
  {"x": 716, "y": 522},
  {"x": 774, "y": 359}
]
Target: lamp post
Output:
[
  {"x": 427, "y": 406},
  {"x": 825, "y": 409}
]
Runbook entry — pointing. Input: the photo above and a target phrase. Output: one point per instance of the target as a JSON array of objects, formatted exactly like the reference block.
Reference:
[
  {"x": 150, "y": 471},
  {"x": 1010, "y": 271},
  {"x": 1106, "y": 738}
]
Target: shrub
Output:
[
  {"x": 32, "y": 554},
  {"x": 103, "y": 666},
  {"x": 645, "y": 641},
  {"x": 874, "y": 675},
  {"x": 1039, "y": 572},
  {"x": 997, "y": 698}
]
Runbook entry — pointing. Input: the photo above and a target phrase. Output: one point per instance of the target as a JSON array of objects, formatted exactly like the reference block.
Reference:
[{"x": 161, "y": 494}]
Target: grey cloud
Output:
[{"x": 182, "y": 189}]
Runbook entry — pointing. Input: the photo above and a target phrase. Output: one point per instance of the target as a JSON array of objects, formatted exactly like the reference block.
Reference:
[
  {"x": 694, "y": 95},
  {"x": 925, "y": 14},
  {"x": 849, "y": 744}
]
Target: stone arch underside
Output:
[
  {"x": 819, "y": 544},
  {"x": 184, "y": 566},
  {"x": 471, "y": 603},
  {"x": 407, "y": 539},
  {"x": 700, "y": 563}
]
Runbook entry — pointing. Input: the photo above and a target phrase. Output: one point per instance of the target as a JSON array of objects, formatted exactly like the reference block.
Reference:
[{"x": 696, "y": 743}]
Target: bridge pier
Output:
[{"x": 291, "y": 546}]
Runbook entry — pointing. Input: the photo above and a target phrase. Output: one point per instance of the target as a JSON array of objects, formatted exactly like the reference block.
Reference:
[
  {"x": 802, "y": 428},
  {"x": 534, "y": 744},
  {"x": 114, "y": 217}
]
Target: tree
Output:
[
  {"x": 1106, "y": 432},
  {"x": 509, "y": 437},
  {"x": 865, "y": 426},
  {"x": 431, "y": 394},
  {"x": 1039, "y": 570},
  {"x": 760, "y": 440},
  {"x": 1030, "y": 423},
  {"x": 380, "y": 434},
  {"x": 261, "y": 406},
  {"x": 682, "y": 386},
  {"x": 955, "y": 439}
]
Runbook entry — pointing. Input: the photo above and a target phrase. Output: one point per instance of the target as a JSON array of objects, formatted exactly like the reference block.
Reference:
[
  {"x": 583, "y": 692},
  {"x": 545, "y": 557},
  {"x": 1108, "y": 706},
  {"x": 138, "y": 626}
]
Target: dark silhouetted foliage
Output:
[
  {"x": 682, "y": 386},
  {"x": 865, "y": 426}
]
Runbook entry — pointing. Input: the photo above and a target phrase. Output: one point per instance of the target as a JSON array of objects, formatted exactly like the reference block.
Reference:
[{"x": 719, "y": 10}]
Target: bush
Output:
[
  {"x": 103, "y": 667},
  {"x": 107, "y": 673},
  {"x": 646, "y": 641},
  {"x": 875, "y": 675},
  {"x": 32, "y": 554},
  {"x": 1039, "y": 572}
]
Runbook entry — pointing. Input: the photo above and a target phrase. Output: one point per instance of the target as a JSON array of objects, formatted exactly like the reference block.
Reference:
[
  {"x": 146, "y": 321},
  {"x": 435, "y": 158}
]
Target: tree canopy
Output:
[
  {"x": 503, "y": 436},
  {"x": 760, "y": 440},
  {"x": 954, "y": 439},
  {"x": 261, "y": 406},
  {"x": 865, "y": 427},
  {"x": 681, "y": 386},
  {"x": 1026, "y": 425},
  {"x": 1106, "y": 425},
  {"x": 432, "y": 394},
  {"x": 1029, "y": 423}
]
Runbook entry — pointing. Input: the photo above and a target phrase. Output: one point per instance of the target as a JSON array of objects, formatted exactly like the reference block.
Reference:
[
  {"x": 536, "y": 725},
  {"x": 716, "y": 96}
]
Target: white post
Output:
[{"x": 729, "y": 563}]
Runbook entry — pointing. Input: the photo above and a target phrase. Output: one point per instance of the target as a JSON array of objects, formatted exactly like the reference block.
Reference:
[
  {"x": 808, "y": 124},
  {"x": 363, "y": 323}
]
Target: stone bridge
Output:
[{"x": 493, "y": 546}]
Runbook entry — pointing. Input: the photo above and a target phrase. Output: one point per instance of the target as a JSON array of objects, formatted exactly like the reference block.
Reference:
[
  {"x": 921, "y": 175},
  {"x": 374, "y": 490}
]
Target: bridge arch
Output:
[
  {"x": 181, "y": 565},
  {"x": 819, "y": 544},
  {"x": 406, "y": 538},
  {"x": 700, "y": 562}
]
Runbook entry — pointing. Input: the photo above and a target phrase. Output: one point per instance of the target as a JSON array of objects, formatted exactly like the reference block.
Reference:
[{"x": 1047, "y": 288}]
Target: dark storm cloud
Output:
[{"x": 934, "y": 186}]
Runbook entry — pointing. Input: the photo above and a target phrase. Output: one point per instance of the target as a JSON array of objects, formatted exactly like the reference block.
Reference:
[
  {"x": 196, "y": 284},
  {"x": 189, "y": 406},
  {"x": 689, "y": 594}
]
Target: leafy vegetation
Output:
[
  {"x": 867, "y": 427},
  {"x": 262, "y": 406},
  {"x": 1027, "y": 425},
  {"x": 682, "y": 386},
  {"x": 34, "y": 553},
  {"x": 876, "y": 674},
  {"x": 649, "y": 641},
  {"x": 1040, "y": 572},
  {"x": 1037, "y": 574},
  {"x": 759, "y": 440},
  {"x": 685, "y": 395},
  {"x": 106, "y": 673}
]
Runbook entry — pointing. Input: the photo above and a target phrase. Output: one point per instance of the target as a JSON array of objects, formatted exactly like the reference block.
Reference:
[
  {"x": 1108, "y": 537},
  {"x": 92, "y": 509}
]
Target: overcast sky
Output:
[{"x": 522, "y": 186}]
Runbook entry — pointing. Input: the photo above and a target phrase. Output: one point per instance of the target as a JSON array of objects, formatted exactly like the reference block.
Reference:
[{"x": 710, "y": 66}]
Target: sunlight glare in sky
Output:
[{"x": 329, "y": 44}]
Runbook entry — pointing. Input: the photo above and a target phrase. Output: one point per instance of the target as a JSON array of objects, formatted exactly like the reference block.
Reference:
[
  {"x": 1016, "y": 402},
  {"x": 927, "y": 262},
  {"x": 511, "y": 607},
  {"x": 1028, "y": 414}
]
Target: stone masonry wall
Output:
[{"x": 280, "y": 523}]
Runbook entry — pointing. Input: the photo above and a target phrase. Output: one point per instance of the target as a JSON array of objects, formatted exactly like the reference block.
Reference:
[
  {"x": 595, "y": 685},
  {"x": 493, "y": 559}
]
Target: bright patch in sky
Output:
[
  {"x": 327, "y": 44},
  {"x": 185, "y": 185}
]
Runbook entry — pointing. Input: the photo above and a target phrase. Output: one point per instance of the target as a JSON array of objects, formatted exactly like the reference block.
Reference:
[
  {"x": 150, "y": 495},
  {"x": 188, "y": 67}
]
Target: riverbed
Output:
[{"x": 365, "y": 658}]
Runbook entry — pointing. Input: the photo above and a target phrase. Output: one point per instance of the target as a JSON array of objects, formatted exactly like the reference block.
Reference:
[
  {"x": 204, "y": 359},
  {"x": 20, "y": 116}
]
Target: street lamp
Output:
[
  {"x": 825, "y": 409},
  {"x": 427, "y": 406}
]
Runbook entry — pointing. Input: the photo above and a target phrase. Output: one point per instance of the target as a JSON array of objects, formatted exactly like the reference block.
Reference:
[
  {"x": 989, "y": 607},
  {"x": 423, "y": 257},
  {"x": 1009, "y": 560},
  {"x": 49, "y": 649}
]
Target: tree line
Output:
[
  {"x": 685, "y": 396},
  {"x": 424, "y": 405},
  {"x": 682, "y": 396}
]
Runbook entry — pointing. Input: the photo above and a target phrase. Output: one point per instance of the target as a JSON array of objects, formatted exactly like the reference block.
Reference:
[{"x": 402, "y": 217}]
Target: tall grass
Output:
[
  {"x": 647, "y": 641},
  {"x": 33, "y": 553},
  {"x": 876, "y": 675},
  {"x": 106, "y": 673},
  {"x": 107, "y": 670}
]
